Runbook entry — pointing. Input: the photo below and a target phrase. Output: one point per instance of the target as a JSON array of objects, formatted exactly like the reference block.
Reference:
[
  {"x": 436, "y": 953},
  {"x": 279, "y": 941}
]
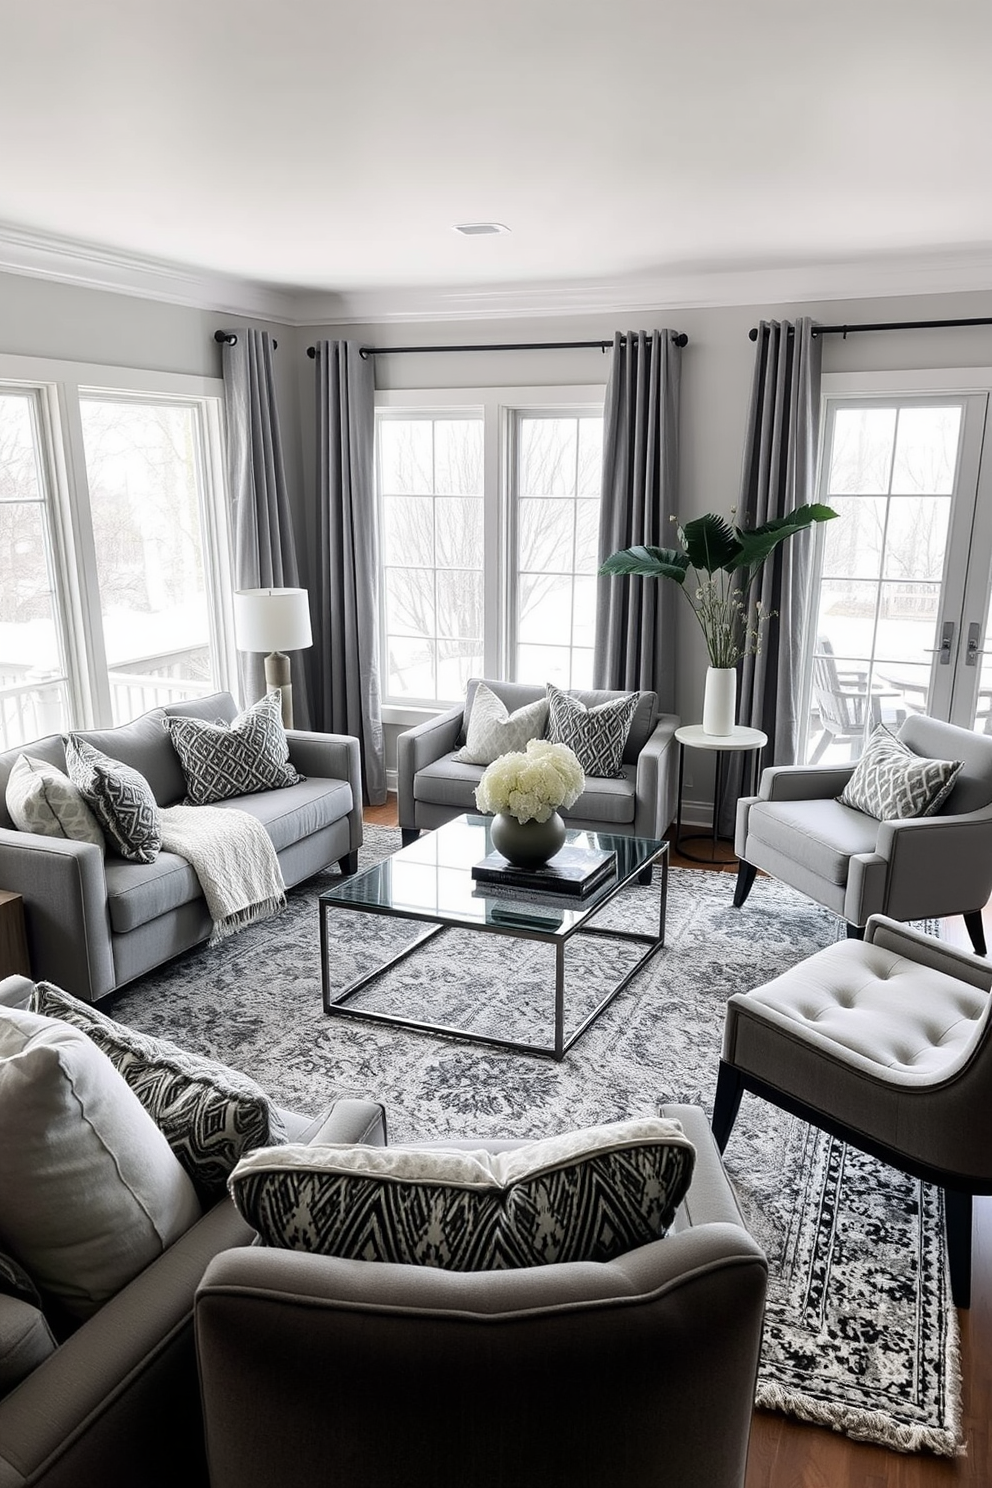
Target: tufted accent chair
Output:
[{"x": 887, "y": 1044}]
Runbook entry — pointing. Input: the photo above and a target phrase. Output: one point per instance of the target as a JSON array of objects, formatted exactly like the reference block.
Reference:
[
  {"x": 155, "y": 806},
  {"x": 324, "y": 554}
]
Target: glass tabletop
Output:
[{"x": 432, "y": 879}]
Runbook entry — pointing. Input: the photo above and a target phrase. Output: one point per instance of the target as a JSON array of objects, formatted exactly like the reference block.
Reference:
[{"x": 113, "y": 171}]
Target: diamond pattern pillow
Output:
[
  {"x": 41, "y": 799},
  {"x": 892, "y": 783},
  {"x": 220, "y": 760},
  {"x": 210, "y": 1115},
  {"x": 588, "y": 1195},
  {"x": 120, "y": 798},
  {"x": 597, "y": 735},
  {"x": 493, "y": 730}
]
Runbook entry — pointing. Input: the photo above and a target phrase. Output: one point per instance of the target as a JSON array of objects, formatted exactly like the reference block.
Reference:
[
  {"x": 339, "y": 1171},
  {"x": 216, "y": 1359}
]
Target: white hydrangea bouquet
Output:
[{"x": 531, "y": 785}]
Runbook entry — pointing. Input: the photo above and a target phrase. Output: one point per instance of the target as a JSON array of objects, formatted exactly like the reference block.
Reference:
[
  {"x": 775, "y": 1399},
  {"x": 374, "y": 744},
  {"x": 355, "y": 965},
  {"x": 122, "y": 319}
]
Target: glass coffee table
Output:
[{"x": 431, "y": 881}]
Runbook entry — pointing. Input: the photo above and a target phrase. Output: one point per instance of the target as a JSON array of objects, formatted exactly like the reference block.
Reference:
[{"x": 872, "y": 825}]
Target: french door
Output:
[{"x": 900, "y": 611}]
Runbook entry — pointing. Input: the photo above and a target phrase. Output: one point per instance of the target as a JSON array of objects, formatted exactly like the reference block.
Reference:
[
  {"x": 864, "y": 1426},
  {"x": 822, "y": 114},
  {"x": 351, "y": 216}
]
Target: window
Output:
[
  {"x": 114, "y": 578},
  {"x": 489, "y": 516}
]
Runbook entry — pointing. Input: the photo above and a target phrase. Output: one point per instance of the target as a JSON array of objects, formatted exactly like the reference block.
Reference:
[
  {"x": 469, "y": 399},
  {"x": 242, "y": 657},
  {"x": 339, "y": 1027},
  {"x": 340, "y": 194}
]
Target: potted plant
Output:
[
  {"x": 715, "y": 566},
  {"x": 524, "y": 790}
]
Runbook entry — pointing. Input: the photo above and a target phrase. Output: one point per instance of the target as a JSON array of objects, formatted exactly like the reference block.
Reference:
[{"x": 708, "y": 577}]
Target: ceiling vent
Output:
[{"x": 479, "y": 229}]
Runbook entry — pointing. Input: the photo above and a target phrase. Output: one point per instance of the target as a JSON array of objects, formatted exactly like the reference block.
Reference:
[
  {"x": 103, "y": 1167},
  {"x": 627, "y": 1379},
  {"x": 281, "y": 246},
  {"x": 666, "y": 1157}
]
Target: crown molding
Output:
[{"x": 91, "y": 266}]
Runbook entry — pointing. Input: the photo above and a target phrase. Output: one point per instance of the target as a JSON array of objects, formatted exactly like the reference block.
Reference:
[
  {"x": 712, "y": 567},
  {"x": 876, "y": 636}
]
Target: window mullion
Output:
[{"x": 88, "y": 671}]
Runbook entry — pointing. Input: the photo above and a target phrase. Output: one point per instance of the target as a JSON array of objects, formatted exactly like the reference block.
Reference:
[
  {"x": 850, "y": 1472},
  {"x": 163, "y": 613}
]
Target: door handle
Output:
[
  {"x": 946, "y": 643},
  {"x": 973, "y": 650}
]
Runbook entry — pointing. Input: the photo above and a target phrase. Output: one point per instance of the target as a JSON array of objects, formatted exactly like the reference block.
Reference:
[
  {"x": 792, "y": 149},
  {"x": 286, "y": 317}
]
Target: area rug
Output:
[{"x": 860, "y": 1332}]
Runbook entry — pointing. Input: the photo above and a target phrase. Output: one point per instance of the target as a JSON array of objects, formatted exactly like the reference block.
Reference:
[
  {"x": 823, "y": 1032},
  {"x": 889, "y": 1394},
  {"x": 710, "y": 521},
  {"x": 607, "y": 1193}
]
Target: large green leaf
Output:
[
  {"x": 755, "y": 546},
  {"x": 649, "y": 563},
  {"x": 712, "y": 544}
]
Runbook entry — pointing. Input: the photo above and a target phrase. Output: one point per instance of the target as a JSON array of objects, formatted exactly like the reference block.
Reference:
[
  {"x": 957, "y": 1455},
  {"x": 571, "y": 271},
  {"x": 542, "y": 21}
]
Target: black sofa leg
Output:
[
  {"x": 644, "y": 877},
  {"x": 409, "y": 834},
  {"x": 855, "y": 932},
  {"x": 349, "y": 863},
  {"x": 726, "y": 1103},
  {"x": 746, "y": 874},
  {"x": 957, "y": 1214},
  {"x": 975, "y": 928}
]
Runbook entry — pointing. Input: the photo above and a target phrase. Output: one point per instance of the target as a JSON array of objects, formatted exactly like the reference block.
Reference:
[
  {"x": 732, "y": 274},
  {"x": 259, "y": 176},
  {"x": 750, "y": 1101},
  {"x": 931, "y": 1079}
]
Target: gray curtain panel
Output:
[
  {"x": 779, "y": 474},
  {"x": 344, "y": 661},
  {"x": 262, "y": 525},
  {"x": 635, "y": 618}
]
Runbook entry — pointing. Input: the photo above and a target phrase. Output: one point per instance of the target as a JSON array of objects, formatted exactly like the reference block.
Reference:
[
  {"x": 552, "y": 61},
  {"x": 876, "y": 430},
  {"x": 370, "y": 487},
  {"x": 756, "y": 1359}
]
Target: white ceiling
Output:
[{"x": 640, "y": 151}]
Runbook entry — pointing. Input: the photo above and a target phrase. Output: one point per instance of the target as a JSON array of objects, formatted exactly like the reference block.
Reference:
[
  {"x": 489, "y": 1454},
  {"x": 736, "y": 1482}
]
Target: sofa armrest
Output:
[
  {"x": 331, "y": 757},
  {"x": 67, "y": 921},
  {"x": 361, "y": 1122},
  {"x": 420, "y": 746},
  {"x": 803, "y": 782},
  {"x": 656, "y": 782},
  {"x": 927, "y": 950},
  {"x": 937, "y": 864}
]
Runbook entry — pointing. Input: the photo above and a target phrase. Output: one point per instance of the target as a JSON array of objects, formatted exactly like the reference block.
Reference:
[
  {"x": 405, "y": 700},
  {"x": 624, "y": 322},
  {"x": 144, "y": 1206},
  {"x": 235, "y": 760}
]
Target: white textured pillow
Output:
[
  {"x": 40, "y": 798},
  {"x": 493, "y": 730},
  {"x": 92, "y": 1192}
]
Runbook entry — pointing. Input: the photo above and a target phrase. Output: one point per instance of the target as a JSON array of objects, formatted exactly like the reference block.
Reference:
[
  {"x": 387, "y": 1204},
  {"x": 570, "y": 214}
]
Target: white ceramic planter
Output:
[{"x": 720, "y": 700}]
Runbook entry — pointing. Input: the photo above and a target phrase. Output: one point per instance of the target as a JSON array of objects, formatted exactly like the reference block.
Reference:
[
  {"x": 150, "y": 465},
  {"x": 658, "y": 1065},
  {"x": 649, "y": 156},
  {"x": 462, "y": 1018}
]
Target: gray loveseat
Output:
[
  {"x": 432, "y": 787},
  {"x": 95, "y": 922}
]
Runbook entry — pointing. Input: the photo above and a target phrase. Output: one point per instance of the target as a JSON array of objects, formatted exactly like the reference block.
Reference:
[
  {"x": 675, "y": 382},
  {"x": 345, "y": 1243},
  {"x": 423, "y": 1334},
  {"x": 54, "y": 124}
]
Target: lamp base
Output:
[{"x": 277, "y": 674}]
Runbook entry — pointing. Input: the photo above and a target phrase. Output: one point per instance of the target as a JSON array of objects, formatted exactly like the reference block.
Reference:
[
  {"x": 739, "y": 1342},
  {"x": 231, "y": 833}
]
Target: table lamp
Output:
[{"x": 274, "y": 621}]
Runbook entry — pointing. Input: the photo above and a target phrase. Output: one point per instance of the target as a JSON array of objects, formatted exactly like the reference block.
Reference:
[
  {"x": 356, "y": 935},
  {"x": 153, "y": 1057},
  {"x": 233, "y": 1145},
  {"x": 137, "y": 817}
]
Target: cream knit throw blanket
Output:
[{"x": 232, "y": 855}]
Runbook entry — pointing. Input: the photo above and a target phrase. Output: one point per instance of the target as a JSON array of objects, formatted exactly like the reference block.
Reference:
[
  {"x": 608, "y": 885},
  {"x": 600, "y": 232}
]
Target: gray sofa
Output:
[
  {"x": 95, "y": 922},
  {"x": 117, "y": 1404},
  {"x": 432, "y": 787}
]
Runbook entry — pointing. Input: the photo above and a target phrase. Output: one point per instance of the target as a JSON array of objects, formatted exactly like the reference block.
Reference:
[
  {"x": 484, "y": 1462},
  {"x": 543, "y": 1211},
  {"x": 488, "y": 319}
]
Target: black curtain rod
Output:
[
  {"x": 231, "y": 339},
  {"x": 679, "y": 338},
  {"x": 887, "y": 325}
]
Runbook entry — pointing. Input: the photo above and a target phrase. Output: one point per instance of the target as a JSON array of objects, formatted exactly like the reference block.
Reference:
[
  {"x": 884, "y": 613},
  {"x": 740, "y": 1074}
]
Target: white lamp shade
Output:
[{"x": 272, "y": 619}]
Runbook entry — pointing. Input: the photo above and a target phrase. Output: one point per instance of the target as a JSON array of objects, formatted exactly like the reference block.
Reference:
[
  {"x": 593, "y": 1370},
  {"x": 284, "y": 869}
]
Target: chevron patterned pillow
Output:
[
  {"x": 588, "y": 1195},
  {"x": 220, "y": 760},
  {"x": 891, "y": 783},
  {"x": 210, "y": 1115},
  {"x": 120, "y": 799},
  {"x": 597, "y": 735}
]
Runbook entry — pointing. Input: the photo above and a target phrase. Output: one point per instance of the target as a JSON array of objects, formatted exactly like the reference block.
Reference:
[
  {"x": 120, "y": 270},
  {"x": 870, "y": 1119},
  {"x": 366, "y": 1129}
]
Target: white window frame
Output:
[
  {"x": 59, "y": 385},
  {"x": 498, "y": 407}
]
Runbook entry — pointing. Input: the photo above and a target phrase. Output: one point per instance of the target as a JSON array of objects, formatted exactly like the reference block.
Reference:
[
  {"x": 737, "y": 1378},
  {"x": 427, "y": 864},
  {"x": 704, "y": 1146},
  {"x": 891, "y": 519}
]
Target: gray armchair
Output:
[
  {"x": 637, "y": 1371},
  {"x": 432, "y": 787},
  {"x": 798, "y": 832}
]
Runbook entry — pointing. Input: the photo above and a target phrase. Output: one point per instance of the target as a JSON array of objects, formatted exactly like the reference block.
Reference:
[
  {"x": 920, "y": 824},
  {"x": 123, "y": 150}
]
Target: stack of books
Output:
[{"x": 573, "y": 871}]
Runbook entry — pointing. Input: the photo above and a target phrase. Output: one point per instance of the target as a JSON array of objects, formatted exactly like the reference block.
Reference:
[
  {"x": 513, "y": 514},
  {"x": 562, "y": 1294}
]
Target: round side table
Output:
[{"x": 693, "y": 736}]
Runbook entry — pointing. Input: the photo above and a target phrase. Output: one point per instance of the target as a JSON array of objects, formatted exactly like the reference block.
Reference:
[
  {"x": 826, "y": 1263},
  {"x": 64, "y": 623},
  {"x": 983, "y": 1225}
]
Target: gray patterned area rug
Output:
[{"x": 860, "y": 1332}]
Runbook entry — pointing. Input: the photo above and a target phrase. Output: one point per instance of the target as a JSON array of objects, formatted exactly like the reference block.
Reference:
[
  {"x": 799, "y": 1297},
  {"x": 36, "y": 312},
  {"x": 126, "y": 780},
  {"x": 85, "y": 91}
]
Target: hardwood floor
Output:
[{"x": 786, "y": 1454}]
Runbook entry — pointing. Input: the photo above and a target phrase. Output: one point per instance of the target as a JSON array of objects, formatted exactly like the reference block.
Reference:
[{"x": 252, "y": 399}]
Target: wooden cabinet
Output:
[{"x": 13, "y": 941}]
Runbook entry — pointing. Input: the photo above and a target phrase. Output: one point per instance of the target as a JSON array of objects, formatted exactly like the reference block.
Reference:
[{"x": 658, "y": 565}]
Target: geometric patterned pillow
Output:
[
  {"x": 120, "y": 798},
  {"x": 220, "y": 760},
  {"x": 597, "y": 735},
  {"x": 41, "y": 799},
  {"x": 210, "y": 1115},
  {"x": 891, "y": 783},
  {"x": 588, "y": 1195},
  {"x": 493, "y": 730}
]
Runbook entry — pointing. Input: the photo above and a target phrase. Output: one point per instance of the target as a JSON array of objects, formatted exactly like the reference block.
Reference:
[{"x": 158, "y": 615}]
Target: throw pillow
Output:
[
  {"x": 40, "y": 798},
  {"x": 493, "y": 730},
  {"x": 891, "y": 783},
  {"x": 596, "y": 735},
  {"x": 121, "y": 800},
  {"x": 210, "y": 1115},
  {"x": 586, "y": 1196},
  {"x": 220, "y": 760},
  {"x": 91, "y": 1189}
]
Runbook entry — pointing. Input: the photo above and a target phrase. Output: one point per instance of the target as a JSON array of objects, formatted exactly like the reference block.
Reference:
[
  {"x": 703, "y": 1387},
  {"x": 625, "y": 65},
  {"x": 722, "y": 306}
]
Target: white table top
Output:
[{"x": 694, "y": 735}]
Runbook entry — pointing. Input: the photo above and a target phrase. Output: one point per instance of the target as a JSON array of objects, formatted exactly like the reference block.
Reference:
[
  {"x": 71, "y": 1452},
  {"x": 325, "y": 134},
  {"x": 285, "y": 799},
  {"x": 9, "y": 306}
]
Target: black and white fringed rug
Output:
[{"x": 860, "y": 1333}]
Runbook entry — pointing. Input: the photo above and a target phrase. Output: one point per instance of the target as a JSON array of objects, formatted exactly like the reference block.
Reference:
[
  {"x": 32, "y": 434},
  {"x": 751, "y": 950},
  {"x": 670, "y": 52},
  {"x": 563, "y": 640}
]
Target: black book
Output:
[{"x": 573, "y": 871}]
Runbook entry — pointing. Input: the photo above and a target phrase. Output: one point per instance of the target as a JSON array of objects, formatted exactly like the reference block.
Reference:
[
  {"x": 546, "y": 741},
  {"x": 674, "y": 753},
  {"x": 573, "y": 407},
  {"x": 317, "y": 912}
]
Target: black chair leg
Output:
[
  {"x": 855, "y": 932},
  {"x": 975, "y": 928},
  {"x": 349, "y": 863},
  {"x": 409, "y": 834},
  {"x": 957, "y": 1214},
  {"x": 746, "y": 874},
  {"x": 726, "y": 1103}
]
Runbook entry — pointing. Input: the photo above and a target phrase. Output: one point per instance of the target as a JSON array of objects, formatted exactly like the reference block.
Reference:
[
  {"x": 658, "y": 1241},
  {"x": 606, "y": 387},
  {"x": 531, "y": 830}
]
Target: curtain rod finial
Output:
[
  {"x": 752, "y": 334},
  {"x": 228, "y": 337}
]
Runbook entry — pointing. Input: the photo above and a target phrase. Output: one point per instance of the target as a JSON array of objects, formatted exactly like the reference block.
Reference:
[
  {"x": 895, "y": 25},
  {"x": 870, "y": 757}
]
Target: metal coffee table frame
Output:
[{"x": 348, "y": 896}]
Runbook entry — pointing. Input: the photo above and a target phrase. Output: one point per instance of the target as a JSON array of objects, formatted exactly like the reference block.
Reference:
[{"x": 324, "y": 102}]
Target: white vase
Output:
[{"x": 720, "y": 700}]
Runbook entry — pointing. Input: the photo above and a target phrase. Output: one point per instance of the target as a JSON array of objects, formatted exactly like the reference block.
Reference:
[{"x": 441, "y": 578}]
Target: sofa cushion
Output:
[
  {"x": 121, "y": 799},
  {"x": 587, "y": 1195},
  {"x": 296, "y": 811},
  {"x": 607, "y": 802},
  {"x": 220, "y": 760},
  {"x": 492, "y": 730},
  {"x": 40, "y": 798},
  {"x": 139, "y": 892},
  {"x": 210, "y": 1114},
  {"x": 597, "y": 735},
  {"x": 92, "y": 1192},
  {"x": 891, "y": 783},
  {"x": 25, "y": 1341},
  {"x": 144, "y": 744},
  {"x": 821, "y": 835}
]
